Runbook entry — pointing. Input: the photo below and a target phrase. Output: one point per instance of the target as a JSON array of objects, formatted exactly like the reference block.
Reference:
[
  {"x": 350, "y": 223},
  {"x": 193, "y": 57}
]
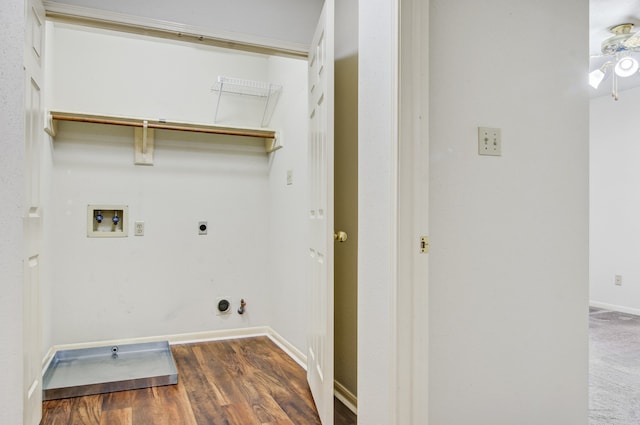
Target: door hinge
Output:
[{"x": 424, "y": 244}]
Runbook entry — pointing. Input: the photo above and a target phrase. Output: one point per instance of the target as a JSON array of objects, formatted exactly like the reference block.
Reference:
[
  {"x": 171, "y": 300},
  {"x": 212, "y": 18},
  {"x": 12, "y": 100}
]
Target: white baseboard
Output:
[
  {"x": 340, "y": 391},
  {"x": 288, "y": 348},
  {"x": 189, "y": 338},
  {"x": 47, "y": 359},
  {"x": 345, "y": 396},
  {"x": 184, "y": 338},
  {"x": 613, "y": 307}
]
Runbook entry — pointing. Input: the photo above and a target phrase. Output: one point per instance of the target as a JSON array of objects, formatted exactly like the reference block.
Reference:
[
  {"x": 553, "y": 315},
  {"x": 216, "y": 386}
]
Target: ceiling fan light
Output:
[
  {"x": 595, "y": 78},
  {"x": 626, "y": 67}
]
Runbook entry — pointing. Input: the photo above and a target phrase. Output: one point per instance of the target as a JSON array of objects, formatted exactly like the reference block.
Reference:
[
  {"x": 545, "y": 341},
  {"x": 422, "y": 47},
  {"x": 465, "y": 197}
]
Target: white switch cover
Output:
[
  {"x": 618, "y": 280},
  {"x": 289, "y": 177},
  {"x": 489, "y": 141},
  {"x": 139, "y": 228}
]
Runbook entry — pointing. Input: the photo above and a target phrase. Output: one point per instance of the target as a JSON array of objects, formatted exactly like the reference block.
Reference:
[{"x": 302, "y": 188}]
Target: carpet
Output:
[{"x": 614, "y": 368}]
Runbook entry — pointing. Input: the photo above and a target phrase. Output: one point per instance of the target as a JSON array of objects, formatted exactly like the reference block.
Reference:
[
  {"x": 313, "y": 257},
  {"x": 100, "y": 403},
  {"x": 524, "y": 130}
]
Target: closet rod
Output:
[{"x": 263, "y": 134}]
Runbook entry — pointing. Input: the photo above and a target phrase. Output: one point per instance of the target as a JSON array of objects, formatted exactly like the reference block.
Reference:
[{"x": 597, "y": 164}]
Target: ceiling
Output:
[
  {"x": 604, "y": 14},
  {"x": 290, "y": 21}
]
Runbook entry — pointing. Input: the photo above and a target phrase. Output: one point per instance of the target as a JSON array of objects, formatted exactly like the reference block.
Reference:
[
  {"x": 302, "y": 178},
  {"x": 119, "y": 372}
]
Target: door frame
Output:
[
  {"x": 413, "y": 209},
  {"x": 33, "y": 65},
  {"x": 392, "y": 272},
  {"x": 404, "y": 209}
]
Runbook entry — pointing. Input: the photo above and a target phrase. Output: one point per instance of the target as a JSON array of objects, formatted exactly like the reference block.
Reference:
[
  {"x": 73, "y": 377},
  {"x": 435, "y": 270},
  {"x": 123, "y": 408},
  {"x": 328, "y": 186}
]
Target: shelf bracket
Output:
[
  {"x": 51, "y": 126},
  {"x": 143, "y": 144},
  {"x": 272, "y": 145}
]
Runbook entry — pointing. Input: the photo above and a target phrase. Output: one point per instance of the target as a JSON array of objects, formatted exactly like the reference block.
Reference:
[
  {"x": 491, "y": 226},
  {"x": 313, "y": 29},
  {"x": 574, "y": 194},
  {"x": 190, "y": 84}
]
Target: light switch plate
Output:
[
  {"x": 489, "y": 141},
  {"x": 289, "y": 177}
]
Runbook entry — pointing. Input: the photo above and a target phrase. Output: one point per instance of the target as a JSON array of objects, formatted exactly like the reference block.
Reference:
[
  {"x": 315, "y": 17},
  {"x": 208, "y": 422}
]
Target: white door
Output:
[
  {"x": 320, "y": 344},
  {"x": 34, "y": 132}
]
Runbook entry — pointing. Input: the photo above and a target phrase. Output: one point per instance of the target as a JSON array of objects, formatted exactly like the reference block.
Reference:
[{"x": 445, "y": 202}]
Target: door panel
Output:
[
  {"x": 32, "y": 220},
  {"x": 321, "y": 87}
]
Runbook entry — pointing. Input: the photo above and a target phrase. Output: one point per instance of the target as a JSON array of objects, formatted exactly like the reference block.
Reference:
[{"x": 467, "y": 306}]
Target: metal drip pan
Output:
[{"x": 86, "y": 371}]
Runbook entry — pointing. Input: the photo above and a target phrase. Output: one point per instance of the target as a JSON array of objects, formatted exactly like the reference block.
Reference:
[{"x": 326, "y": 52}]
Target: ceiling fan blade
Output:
[{"x": 632, "y": 42}]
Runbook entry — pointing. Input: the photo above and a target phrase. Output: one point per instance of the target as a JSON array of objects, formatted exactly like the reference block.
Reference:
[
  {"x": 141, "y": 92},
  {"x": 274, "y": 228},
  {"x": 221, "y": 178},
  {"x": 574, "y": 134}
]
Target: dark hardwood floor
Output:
[
  {"x": 342, "y": 415},
  {"x": 234, "y": 382}
]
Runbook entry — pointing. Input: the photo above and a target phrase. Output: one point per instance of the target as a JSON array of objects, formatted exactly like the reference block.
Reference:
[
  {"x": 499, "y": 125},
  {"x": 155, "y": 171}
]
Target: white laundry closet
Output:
[{"x": 168, "y": 280}]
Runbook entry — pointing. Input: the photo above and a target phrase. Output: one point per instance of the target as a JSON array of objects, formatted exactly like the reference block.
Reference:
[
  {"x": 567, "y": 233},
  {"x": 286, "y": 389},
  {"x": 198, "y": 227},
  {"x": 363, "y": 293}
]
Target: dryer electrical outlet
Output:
[{"x": 223, "y": 305}]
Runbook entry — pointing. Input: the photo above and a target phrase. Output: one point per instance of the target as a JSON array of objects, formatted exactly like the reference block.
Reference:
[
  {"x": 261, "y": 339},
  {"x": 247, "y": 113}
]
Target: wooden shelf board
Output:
[{"x": 164, "y": 125}]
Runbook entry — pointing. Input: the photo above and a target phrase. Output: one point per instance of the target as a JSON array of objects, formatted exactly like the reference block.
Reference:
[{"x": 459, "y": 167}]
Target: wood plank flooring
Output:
[
  {"x": 233, "y": 382},
  {"x": 342, "y": 415}
]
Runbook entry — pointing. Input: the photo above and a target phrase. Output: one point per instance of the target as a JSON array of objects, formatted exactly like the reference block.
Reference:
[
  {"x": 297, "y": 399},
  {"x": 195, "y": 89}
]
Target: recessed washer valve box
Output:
[{"x": 107, "y": 221}]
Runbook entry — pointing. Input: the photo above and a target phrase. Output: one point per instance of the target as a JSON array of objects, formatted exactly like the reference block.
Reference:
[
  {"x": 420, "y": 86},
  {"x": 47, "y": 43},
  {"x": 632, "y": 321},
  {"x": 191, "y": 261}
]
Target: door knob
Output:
[{"x": 340, "y": 236}]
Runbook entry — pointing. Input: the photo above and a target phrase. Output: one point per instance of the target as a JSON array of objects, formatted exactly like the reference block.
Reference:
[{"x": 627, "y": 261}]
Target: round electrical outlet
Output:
[{"x": 223, "y": 306}]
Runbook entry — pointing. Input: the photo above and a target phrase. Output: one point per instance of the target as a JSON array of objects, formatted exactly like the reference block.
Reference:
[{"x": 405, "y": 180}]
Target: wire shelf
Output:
[
  {"x": 238, "y": 86},
  {"x": 246, "y": 87}
]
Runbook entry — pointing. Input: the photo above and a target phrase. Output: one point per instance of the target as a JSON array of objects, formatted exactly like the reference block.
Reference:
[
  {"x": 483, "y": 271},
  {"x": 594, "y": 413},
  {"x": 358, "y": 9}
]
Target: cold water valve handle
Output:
[
  {"x": 243, "y": 304},
  {"x": 115, "y": 219}
]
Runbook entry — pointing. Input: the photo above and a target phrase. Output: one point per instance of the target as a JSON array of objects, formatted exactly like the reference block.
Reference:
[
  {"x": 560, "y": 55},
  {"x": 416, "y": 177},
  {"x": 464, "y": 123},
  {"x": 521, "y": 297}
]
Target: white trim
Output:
[
  {"x": 613, "y": 307},
  {"x": 398, "y": 319},
  {"x": 47, "y": 359},
  {"x": 288, "y": 348},
  {"x": 413, "y": 208},
  {"x": 346, "y": 397},
  {"x": 186, "y": 338},
  {"x": 379, "y": 355},
  {"x": 190, "y": 338},
  {"x": 139, "y": 24}
]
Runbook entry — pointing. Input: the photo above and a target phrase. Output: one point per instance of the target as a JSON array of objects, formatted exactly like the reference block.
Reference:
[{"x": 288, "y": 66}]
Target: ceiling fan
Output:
[{"x": 619, "y": 48}]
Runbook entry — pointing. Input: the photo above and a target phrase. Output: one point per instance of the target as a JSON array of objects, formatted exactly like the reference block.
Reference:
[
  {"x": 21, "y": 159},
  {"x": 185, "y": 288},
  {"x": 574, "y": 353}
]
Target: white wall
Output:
[
  {"x": 167, "y": 281},
  {"x": 155, "y": 78},
  {"x": 615, "y": 201},
  {"x": 377, "y": 162},
  {"x": 509, "y": 235},
  {"x": 346, "y": 23},
  {"x": 47, "y": 250},
  {"x": 289, "y": 205},
  {"x": 12, "y": 188}
]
